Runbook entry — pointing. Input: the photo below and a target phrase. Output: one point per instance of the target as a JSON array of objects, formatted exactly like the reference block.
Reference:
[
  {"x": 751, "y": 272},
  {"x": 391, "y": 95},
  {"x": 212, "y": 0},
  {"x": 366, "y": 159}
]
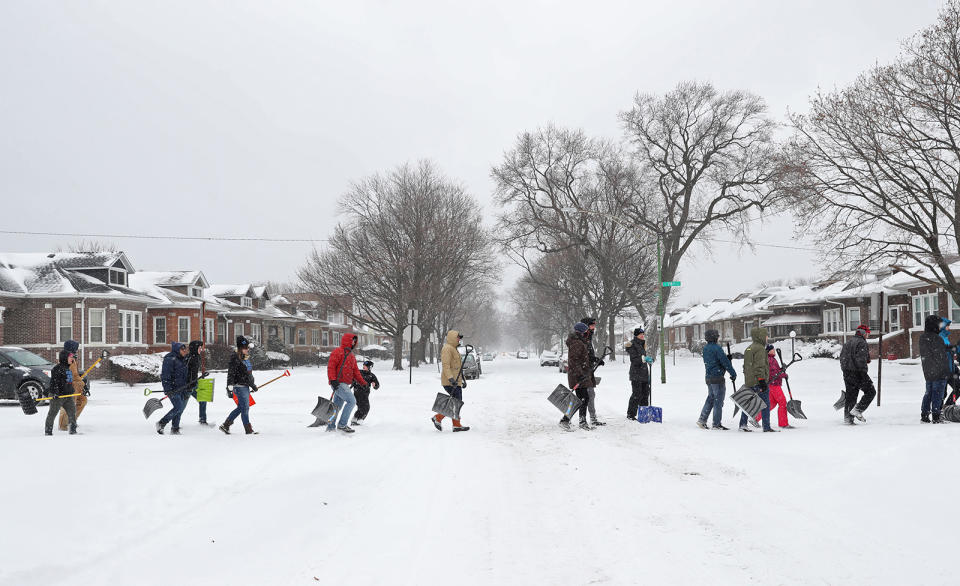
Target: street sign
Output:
[
  {"x": 411, "y": 334},
  {"x": 412, "y": 315},
  {"x": 671, "y": 283}
]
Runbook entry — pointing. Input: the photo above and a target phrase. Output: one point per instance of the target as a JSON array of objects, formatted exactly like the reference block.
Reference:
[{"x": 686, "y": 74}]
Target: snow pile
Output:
[
  {"x": 278, "y": 356},
  {"x": 370, "y": 347},
  {"x": 145, "y": 363},
  {"x": 820, "y": 349}
]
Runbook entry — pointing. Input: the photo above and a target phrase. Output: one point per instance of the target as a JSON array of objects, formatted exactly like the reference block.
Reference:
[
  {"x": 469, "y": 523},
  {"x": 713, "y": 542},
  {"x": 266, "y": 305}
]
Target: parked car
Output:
[
  {"x": 471, "y": 367},
  {"x": 522, "y": 354},
  {"x": 563, "y": 365},
  {"x": 489, "y": 356},
  {"x": 548, "y": 358},
  {"x": 22, "y": 369}
]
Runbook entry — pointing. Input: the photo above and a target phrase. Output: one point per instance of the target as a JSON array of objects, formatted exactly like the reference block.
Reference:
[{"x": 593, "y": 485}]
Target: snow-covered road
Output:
[{"x": 513, "y": 501}]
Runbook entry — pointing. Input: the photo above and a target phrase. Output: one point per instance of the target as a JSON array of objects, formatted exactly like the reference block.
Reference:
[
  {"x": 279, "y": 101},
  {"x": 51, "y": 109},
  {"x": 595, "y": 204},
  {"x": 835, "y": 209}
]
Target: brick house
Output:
[{"x": 180, "y": 311}]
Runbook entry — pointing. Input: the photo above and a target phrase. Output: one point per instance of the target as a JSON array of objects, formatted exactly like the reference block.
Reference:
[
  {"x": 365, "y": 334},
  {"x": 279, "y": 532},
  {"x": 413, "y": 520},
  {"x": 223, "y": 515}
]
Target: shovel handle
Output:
[
  {"x": 59, "y": 397},
  {"x": 285, "y": 373}
]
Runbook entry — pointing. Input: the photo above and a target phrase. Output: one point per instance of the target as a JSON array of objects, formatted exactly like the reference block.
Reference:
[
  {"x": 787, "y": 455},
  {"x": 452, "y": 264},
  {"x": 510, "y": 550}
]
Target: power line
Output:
[{"x": 153, "y": 237}]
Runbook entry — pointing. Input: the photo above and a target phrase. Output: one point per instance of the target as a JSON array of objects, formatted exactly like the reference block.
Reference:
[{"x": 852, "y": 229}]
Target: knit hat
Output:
[
  {"x": 580, "y": 327},
  {"x": 769, "y": 347},
  {"x": 865, "y": 329},
  {"x": 368, "y": 363},
  {"x": 242, "y": 342},
  {"x": 71, "y": 346},
  {"x": 711, "y": 336},
  {"x": 589, "y": 321},
  {"x": 637, "y": 332}
]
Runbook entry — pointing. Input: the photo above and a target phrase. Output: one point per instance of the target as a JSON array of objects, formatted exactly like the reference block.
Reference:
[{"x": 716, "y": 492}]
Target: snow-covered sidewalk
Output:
[{"x": 513, "y": 501}]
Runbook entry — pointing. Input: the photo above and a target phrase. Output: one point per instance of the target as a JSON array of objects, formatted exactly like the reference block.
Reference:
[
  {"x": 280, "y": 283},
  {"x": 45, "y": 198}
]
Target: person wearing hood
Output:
[
  {"x": 579, "y": 372},
  {"x": 61, "y": 379},
  {"x": 756, "y": 373},
  {"x": 594, "y": 364},
  {"x": 854, "y": 359},
  {"x": 936, "y": 363},
  {"x": 451, "y": 377},
  {"x": 240, "y": 383},
  {"x": 173, "y": 377},
  {"x": 194, "y": 363},
  {"x": 953, "y": 381},
  {"x": 639, "y": 373},
  {"x": 79, "y": 385},
  {"x": 362, "y": 393},
  {"x": 715, "y": 361},
  {"x": 342, "y": 372}
]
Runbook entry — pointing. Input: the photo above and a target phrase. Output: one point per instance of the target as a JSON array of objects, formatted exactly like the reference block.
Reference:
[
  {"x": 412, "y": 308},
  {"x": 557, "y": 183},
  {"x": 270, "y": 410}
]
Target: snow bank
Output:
[
  {"x": 278, "y": 356},
  {"x": 146, "y": 363}
]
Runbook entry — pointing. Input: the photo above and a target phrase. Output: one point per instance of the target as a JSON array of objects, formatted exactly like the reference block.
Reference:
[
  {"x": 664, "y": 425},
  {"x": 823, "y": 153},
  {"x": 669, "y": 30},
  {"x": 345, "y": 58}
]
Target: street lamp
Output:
[{"x": 660, "y": 304}]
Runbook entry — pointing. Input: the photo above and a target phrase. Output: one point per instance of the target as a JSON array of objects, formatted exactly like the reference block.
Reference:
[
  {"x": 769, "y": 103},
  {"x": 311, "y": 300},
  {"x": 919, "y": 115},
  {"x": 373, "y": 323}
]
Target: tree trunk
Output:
[
  {"x": 398, "y": 351},
  {"x": 612, "y": 336}
]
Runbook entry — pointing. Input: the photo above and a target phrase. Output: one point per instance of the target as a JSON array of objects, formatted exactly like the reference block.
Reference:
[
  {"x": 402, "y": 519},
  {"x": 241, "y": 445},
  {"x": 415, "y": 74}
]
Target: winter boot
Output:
[
  {"x": 849, "y": 420},
  {"x": 631, "y": 417},
  {"x": 160, "y": 426},
  {"x": 564, "y": 425},
  {"x": 48, "y": 432},
  {"x": 584, "y": 426},
  {"x": 770, "y": 429},
  {"x": 596, "y": 422},
  {"x": 702, "y": 424},
  {"x": 461, "y": 428},
  {"x": 858, "y": 413},
  {"x": 204, "y": 422},
  {"x": 225, "y": 426},
  {"x": 175, "y": 431},
  {"x": 249, "y": 429},
  {"x": 937, "y": 418},
  {"x": 720, "y": 427},
  {"x": 746, "y": 429},
  {"x": 73, "y": 428},
  {"x": 346, "y": 429},
  {"x": 436, "y": 423},
  {"x": 354, "y": 421},
  {"x": 924, "y": 418}
]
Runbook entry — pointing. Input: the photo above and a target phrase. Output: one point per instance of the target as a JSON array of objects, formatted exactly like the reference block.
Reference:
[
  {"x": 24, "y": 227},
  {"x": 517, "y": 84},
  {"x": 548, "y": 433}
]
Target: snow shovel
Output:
[
  {"x": 447, "y": 405},
  {"x": 153, "y": 404},
  {"x": 736, "y": 407},
  {"x": 748, "y": 400},
  {"x": 951, "y": 412},
  {"x": 325, "y": 412},
  {"x": 793, "y": 407},
  {"x": 841, "y": 402},
  {"x": 565, "y": 400}
]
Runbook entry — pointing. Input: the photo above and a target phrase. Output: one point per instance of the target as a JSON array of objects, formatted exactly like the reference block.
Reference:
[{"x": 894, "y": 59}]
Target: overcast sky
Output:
[{"x": 251, "y": 118}]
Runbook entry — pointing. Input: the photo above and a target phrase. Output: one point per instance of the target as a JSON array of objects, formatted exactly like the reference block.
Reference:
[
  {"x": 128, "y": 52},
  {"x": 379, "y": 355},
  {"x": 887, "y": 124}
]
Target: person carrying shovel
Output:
[
  {"x": 60, "y": 384},
  {"x": 451, "y": 377},
  {"x": 775, "y": 384},
  {"x": 173, "y": 376}
]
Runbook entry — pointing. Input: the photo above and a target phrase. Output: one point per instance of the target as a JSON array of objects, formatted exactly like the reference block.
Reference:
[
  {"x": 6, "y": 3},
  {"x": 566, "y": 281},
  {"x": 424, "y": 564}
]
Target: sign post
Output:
[
  {"x": 412, "y": 332},
  {"x": 663, "y": 334}
]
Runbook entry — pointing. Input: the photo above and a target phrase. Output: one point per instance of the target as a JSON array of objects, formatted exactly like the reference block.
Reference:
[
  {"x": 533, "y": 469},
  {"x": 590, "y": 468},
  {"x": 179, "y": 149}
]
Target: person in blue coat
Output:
[
  {"x": 953, "y": 380},
  {"x": 715, "y": 361},
  {"x": 173, "y": 377}
]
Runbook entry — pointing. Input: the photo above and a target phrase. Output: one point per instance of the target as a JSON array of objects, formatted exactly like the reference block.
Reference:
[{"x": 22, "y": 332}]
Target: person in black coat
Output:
[
  {"x": 854, "y": 359},
  {"x": 240, "y": 384},
  {"x": 61, "y": 383},
  {"x": 194, "y": 364},
  {"x": 936, "y": 362},
  {"x": 362, "y": 392},
  {"x": 639, "y": 373},
  {"x": 173, "y": 377},
  {"x": 594, "y": 364}
]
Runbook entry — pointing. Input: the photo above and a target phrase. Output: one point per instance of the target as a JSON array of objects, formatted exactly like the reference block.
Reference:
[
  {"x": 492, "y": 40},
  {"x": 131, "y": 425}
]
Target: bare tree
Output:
[
  {"x": 876, "y": 175},
  {"x": 90, "y": 246},
  {"x": 411, "y": 239}
]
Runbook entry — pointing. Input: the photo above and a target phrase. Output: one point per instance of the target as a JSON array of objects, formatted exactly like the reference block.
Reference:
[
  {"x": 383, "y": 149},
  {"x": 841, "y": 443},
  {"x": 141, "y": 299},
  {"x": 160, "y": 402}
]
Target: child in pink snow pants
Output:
[{"x": 775, "y": 383}]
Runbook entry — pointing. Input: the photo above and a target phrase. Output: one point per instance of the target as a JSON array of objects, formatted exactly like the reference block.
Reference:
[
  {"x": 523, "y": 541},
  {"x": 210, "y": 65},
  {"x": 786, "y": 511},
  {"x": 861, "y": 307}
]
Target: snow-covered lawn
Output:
[{"x": 513, "y": 501}]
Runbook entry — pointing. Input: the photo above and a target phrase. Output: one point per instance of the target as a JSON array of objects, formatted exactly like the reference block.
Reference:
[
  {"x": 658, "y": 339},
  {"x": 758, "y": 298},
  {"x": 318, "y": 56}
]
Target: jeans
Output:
[
  {"x": 591, "y": 403},
  {"x": 203, "y": 407},
  {"x": 764, "y": 413},
  {"x": 242, "y": 394},
  {"x": 933, "y": 397},
  {"x": 178, "y": 402},
  {"x": 714, "y": 402},
  {"x": 640, "y": 395},
  {"x": 344, "y": 401}
]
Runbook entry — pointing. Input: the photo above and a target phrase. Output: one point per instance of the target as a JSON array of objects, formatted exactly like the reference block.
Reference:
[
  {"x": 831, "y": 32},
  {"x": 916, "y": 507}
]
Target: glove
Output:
[
  {"x": 229, "y": 391},
  {"x": 648, "y": 359},
  {"x": 376, "y": 386},
  {"x": 253, "y": 388},
  {"x": 463, "y": 385},
  {"x": 600, "y": 362},
  {"x": 205, "y": 374},
  {"x": 333, "y": 385},
  {"x": 453, "y": 382},
  {"x": 762, "y": 384}
]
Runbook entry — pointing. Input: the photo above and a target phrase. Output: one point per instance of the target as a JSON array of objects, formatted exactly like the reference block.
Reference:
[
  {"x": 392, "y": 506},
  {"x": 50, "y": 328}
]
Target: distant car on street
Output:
[
  {"x": 22, "y": 370},
  {"x": 563, "y": 365},
  {"x": 489, "y": 356},
  {"x": 471, "y": 367},
  {"x": 522, "y": 354},
  {"x": 548, "y": 358}
]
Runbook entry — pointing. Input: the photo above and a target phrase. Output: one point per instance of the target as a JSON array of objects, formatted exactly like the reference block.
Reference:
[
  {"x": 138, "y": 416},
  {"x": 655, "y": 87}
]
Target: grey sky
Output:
[{"x": 250, "y": 118}]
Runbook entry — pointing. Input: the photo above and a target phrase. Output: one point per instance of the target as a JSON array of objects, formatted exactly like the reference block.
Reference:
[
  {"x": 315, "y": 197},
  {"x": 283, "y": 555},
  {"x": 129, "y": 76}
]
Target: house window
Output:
[
  {"x": 255, "y": 331},
  {"x": 130, "y": 327},
  {"x": 183, "y": 329},
  {"x": 336, "y": 338},
  {"x": 246, "y": 302},
  {"x": 325, "y": 337},
  {"x": 334, "y": 317},
  {"x": 64, "y": 325},
  {"x": 747, "y": 328},
  {"x": 118, "y": 277},
  {"x": 288, "y": 335},
  {"x": 272, "y": 332},
  {"x": 954, "y": 309},
  {"x": 98, "y": 318},
  {"x": 302, "y": 337},
  {"x": 924, "y": 305},
  {"x": 222, "y": 333},
  {"x": 683, "y": 334},
  {"x": 159, "y": 330},
  {"x": 238, "y": 329},
  {"x": 208, "y": 327},
  {"x": 832, "y": 321},
  {"x": 314, "y": 337},
  {"x": 196, "y": 292},
  {"x": 853, "y": 318},
  {"x": 894, "y": 324}
]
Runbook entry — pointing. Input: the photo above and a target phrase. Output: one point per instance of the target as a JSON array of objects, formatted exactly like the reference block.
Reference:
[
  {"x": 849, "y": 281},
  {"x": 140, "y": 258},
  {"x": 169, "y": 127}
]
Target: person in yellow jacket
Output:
[
  {"x": 451, "y": 377},
  {"x": 79, "y": 386}
]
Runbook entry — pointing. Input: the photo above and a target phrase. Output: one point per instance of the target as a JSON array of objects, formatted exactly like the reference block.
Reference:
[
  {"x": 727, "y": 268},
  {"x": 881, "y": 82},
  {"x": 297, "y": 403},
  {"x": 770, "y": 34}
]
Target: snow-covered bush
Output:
[
  {"x": 134, "y": 369},
  {"x": 820, "y": 349}
]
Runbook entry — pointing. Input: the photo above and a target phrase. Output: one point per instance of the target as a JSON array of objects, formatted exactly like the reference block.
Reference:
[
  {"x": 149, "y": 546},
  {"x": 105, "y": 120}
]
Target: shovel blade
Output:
[
  {"x": 151, "y": 406},
  {"x": 325, "y": 411},
  {"x": 952, "y": 413},
  {"x": 841, "y": 402},
  {"x": 793, "y": 408}
]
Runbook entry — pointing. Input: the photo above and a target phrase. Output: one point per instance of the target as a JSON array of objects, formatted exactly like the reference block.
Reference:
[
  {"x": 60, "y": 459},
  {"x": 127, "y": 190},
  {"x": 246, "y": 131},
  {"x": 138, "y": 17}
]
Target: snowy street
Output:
[{"x": 514, "y": 500}]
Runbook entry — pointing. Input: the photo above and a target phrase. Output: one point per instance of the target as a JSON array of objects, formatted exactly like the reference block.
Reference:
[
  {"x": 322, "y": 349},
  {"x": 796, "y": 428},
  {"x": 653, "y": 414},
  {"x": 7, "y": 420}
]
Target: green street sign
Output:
[{"x": 671, "y": 283}]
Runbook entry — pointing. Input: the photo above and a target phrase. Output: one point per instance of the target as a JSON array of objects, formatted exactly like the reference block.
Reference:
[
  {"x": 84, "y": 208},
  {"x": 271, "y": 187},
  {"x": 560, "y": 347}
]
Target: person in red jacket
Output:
[
  {"x": 775, "y": 383},
  {"x": 342, "y": 372}
]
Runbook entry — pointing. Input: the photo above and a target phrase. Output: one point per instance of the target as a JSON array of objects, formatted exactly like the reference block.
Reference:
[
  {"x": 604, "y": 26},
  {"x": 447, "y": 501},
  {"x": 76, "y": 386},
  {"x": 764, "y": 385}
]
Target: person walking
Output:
[
  {"x": 342, "y": 372},
  {"x": 936, "y": 362},
  {"x": 775, "y": 383},
  {"x": 953, "y": 380},
  {"x": 579, "y": 372},
  {"x": 756, "y": 372},
  {"x": 362, "y": 392},
  {"x": 173, "y": 377},
  {"x": 854, "y": 359},
  {"x": 639, "y": 373},
  {"x": 715, "y": 362},
  {"x": 78, "y": 383},
  {"x": 194, "y": 363},
  {"x": 240, "y": 383},
  {"x": 61, "y": 379},
  {"x": 451, "y": 377},
  {"x": 594, "y": 364}
]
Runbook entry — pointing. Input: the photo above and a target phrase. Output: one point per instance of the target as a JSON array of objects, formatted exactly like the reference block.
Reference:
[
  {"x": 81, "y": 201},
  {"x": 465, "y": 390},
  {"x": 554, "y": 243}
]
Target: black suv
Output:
[{"x": 23, "y": 370}]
